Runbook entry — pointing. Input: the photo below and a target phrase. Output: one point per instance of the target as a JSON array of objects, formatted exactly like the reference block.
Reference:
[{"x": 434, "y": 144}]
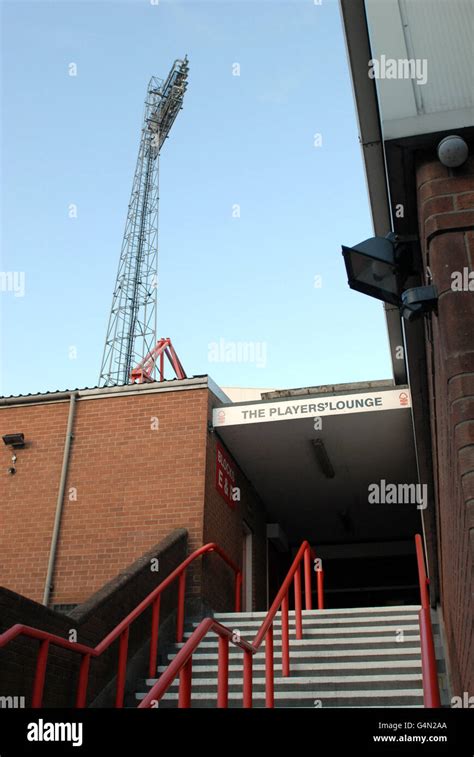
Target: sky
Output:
[{"x": 273, "y": 278}]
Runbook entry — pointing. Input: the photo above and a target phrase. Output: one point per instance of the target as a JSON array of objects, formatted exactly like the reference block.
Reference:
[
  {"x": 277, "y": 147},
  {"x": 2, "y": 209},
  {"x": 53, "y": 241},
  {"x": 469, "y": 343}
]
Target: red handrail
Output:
[
  {"x": 121, "y": 632},
  {"x": 182, "y": 663},
  {"x": 431, "y": 696}
]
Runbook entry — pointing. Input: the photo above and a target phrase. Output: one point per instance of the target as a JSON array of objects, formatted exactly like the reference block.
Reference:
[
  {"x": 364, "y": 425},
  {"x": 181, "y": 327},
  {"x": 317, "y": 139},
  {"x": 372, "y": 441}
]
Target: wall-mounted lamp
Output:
[
  {"x": 380, "y": 266},
  {"x": 15, "y": 441}
]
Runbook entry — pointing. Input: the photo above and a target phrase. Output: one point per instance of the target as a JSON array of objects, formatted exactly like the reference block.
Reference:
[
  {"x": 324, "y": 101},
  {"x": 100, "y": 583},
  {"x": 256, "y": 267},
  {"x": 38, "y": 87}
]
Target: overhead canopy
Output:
[{"x": 367, "y": 436}]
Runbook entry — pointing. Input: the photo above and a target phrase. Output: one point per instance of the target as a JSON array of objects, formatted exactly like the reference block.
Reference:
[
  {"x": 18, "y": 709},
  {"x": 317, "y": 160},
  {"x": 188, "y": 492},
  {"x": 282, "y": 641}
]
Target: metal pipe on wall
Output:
[{"x": 60, "y": 499}]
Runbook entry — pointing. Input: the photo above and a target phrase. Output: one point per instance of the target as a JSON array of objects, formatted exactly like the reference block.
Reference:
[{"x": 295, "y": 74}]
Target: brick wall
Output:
[
  {"x": 446, "y": 222},
  {"x": 128, "y": 486},
  {"x": 92, "y": 621},
  {"x": 224, "y": 525}
]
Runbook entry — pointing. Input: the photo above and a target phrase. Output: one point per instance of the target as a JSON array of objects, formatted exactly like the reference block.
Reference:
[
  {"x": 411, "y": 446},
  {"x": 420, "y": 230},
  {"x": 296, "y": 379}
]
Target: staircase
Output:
[{"x": 355, "y": 657}]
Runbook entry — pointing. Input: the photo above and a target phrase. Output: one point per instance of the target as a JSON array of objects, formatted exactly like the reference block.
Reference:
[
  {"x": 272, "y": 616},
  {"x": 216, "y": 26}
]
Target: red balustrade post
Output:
[
  {"x": 307, "y": 579},
  {"x": 180, "y": 616},
  {"x": 122, "y": 667},
  {"x": 185, "y": 680},
  {"x": 429, "y": 671},
  {"x": 247, "y": 679},
  {"x": 269, "y": 681},
  {"x": 320, "y": 580},
  {"x": 298, "y": 617},
  {"x": 155, "y": 624},
  {"x": 223, "y": 673},
  {"x": 38, "y": 686},
  {"x": 81, "y": 695},
  {"x": 285, "y": 646}
]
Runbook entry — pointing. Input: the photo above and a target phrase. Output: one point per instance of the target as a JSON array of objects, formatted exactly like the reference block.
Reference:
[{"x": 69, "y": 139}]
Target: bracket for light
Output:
[
  {"x": 418, "y": 300},
  {"x": 323, "y": 458}
]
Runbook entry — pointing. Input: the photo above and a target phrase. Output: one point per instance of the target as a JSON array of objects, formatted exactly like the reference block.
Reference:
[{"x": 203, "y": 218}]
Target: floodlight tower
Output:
[{"x": 131, "y": 332}]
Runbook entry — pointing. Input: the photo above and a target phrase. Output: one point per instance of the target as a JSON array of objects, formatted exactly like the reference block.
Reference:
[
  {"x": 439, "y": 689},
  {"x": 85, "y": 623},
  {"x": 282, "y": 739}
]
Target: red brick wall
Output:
[
  {"x": 28, "y": 499},
  {"x": 223, "y": 525},
  {"x": 446, "y": 222},
  {"x": 92, "y": 621},
  {"x": 134, "y": 486}
]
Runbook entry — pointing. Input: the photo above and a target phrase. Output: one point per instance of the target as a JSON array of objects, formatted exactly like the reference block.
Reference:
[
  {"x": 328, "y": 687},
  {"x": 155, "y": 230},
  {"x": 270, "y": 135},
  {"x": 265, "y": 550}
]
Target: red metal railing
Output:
[
  {"x": 431, "y": 696},
  {"x": 182, "y": 663},
  {"x": 120, "y": 632}
]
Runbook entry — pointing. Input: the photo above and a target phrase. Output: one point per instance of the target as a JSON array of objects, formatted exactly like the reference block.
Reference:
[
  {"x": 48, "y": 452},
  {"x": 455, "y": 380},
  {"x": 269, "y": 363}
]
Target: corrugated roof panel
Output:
[
  {"x": 431, "y": 42},
  {"x": 442, "y": 33}
]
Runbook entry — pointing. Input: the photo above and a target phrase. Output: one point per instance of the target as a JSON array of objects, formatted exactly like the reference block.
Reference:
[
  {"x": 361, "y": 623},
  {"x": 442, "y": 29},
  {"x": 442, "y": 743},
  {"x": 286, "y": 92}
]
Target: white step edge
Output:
[
  {"x": 356, "y": 694},
  {"x": 365, "y": 665},
  {"x": 360, "y": 629},
  {"x": 315, "y": 613},
  {"x": 295, "y": 643},
  {"x": 296, "y": 681},
  {"x": 400, "y": 650},
  {"x": 309, "y": 622}
]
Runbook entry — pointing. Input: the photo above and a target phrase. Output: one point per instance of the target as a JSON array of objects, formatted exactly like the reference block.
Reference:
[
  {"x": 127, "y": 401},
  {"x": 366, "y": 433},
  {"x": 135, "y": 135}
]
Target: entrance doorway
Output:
[{"x": 247, "y": 568}]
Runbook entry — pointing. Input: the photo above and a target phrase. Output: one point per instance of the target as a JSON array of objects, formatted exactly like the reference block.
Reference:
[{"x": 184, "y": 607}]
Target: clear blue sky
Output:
[{"x": 244, "y": 140}]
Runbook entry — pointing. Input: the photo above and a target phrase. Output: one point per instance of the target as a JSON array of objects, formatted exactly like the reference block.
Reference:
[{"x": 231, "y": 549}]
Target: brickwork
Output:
[{"x": 446, "y": 221}]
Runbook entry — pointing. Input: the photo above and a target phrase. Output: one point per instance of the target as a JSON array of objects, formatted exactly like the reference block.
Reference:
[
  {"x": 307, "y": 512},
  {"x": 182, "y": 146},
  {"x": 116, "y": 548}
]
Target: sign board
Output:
[
  {"x": 312, "y": 407},
  {"x": 225, "y": 475}
]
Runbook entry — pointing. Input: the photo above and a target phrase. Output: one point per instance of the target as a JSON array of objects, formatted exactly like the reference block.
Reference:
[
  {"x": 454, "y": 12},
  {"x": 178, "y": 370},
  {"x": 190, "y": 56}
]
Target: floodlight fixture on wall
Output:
[
  {"x": 17, "y": 441},
  {"x": 380, "y": 266},
  {"x": 377, "y": 267}
]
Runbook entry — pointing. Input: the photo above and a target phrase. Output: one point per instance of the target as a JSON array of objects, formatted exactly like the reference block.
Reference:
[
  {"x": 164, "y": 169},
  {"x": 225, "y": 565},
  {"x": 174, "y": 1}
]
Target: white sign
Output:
[{"x": 310, "y": 407}]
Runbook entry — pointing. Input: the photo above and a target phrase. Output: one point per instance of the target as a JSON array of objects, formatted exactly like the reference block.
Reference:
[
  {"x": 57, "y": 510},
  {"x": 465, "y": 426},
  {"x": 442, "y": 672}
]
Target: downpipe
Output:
[{"x": 60, "y": 499}]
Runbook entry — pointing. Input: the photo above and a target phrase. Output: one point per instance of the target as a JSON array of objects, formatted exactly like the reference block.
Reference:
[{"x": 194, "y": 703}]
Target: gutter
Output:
[{"x": 357, "y": 42}]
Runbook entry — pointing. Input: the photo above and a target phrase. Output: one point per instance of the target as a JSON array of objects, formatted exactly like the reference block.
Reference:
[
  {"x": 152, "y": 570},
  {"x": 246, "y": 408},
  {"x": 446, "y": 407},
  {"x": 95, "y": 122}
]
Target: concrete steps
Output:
[{"x": 356, "y": 657}]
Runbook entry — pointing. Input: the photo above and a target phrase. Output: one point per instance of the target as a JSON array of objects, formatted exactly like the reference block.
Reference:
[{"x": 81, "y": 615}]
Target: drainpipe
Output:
[{"x": 60, "y": 499}]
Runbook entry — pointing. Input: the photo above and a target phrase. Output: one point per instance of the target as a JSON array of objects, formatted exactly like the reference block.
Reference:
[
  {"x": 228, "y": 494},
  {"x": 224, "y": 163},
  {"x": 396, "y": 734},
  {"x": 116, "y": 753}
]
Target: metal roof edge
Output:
[
  {"x": 356, "y": 35},
  {"x": 173, "y": 385}
]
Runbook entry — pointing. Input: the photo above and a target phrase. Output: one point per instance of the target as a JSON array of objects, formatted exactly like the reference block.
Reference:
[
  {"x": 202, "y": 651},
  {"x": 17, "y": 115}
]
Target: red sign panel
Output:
[{"x": 225, "y": 475}]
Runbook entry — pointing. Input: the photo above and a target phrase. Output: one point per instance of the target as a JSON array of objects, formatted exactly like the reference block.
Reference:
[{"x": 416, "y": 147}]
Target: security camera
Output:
[{"x": 453, "y": 151}]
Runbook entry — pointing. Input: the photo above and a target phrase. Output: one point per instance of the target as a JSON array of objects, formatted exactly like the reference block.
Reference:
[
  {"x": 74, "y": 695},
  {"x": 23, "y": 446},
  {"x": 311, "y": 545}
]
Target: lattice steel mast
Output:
[{"x": 131, "y": 333}]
